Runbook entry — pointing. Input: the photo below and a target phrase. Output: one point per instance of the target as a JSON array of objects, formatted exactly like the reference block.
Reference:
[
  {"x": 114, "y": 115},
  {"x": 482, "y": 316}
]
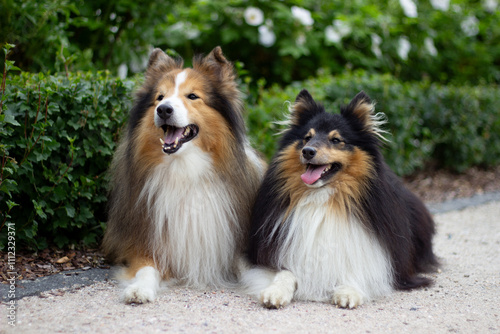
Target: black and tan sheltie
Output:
[
  {"x": 331, "y": 221},
  {"x": 184, "y": 178}
]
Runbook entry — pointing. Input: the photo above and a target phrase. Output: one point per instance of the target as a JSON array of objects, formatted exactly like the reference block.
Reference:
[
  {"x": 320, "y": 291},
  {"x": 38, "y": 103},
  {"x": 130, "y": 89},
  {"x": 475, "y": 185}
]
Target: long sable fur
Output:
[
  {"x": 401, "y": 222},
  {"x": 130, "y": 230}
]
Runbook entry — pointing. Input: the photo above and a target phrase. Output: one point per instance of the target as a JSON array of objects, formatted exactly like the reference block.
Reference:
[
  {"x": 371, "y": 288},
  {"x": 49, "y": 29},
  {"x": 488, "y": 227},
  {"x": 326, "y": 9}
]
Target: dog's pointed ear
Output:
[
  {"x": 215, "y": 65},
  {"x": 304, "y": 108},
  {"x": 159, "y": 61},
  {"x": 217, "y": 56},
  {"x": 362, "y": 109}
]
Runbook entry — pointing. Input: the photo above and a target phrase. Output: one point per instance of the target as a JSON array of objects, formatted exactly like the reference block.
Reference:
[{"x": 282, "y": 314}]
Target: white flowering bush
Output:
[{"x": 281, "y": 41}]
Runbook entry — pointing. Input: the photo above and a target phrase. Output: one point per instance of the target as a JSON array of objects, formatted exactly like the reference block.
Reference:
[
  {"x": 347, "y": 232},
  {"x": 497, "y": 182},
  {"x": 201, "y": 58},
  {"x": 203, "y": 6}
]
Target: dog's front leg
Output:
[
  {"x": 280, "y": 292},
  {"x": 145, "y": 282}
]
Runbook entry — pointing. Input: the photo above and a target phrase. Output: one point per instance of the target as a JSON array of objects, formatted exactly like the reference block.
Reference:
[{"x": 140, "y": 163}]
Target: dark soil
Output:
[{"x": 440, "y": 186}]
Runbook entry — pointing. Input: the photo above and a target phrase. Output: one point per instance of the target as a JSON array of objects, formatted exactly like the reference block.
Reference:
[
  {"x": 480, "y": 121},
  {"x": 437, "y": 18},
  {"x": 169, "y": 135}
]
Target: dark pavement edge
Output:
[{"x": 74, "y": 279}]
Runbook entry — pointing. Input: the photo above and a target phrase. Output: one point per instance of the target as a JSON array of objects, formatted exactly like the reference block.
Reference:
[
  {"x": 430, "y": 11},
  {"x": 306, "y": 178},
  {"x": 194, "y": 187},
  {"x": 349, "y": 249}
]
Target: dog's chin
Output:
[
  {"x": 317, "y": 184},
  {"x": 175, "y": 137}
]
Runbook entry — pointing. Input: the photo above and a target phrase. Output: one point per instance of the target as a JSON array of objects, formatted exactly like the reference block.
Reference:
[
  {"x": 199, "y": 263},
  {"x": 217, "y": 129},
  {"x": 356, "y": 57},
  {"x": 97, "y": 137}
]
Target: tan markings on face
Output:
[
  {"x": 215, "y": 136},
  {"x": 340, "y": 143},
  {"x": 356, "y": 164},
  {"x": 326, "y": 154},
  {"x": 290, "y": 168},
  {"x": 166, "y": 86},
  {"x": 350, "y": 182},
  {"x": 310, "y": 135},
  {"x": 334, "y": 134}
]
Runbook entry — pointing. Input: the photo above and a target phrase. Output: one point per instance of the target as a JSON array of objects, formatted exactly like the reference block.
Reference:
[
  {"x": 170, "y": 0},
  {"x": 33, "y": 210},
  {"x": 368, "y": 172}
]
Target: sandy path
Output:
[{"x": 464, "y": 299}]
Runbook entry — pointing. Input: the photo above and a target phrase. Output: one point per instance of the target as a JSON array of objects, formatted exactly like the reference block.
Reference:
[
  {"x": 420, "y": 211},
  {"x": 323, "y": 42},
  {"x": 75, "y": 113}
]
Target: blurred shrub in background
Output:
[
  {"x": 281, "y": 41},
  {"x": 57, "y": 137}
]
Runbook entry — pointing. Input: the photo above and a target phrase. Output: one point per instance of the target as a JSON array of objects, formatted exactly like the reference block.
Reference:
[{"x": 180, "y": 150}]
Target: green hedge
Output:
[
  {"x": 57, "y": 137},
  {"x": 446, "y": 126},
  {"x": 58, "y": 134}
]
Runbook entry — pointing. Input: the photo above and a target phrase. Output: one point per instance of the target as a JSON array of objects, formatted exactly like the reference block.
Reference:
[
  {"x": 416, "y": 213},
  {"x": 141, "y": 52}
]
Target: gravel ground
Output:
[{"x": 464, "y": 299}]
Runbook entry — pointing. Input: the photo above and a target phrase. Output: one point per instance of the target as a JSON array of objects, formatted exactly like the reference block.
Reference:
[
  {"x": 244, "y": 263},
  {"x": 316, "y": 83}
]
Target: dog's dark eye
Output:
[
  {"x": 160, "y": 97},
  {"x": 335, "y": 140},
  {"x": 307, "y": 138},
  {"x": 193, "y": 96}
]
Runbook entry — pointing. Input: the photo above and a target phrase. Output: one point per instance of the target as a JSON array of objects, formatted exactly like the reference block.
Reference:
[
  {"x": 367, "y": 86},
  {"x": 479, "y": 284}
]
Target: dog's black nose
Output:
[
  {"x": 164, "y": 110},
  {"x": 308, "y": 152}
]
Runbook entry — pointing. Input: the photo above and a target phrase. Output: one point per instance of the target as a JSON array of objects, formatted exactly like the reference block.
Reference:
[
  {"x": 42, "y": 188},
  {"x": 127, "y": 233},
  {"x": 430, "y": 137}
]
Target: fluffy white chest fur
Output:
[
  {"x": 195, "y": 224},
  {"x": 325, "y": 251}
]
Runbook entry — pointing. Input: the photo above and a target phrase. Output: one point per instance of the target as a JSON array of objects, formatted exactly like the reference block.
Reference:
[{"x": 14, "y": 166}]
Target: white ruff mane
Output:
[
  {"x": 194, "y": 220},
  {"x": 325, "y": 251}
]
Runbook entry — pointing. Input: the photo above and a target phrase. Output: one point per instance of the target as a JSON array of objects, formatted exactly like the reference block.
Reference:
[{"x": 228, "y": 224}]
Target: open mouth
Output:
[
  {"x": 319, "y": 172},
  {"x": 175, "y": 137}
]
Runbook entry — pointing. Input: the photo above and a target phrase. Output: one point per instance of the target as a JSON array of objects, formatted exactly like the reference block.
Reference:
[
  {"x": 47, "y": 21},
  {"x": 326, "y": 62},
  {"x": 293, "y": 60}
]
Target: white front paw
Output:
[
  {"x": 347, "y": 297},
  {"x": 135, "y": 293},
  {"x": 276, "y": 296},
  {"x": 142, "y": 289},
  {"x": 280, "y": 292}
]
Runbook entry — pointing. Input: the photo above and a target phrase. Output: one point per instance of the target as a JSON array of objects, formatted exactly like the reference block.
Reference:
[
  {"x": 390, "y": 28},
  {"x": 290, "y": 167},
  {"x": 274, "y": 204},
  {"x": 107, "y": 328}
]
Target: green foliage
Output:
[
  {"x": 57, "y": 138},
  {"x": 458, "y": 44},
  {"x": 455, "y": 127}
]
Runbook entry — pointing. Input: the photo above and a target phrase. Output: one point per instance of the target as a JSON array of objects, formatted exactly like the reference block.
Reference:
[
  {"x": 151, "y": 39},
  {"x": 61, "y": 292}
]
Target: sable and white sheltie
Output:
[
  {"x": 331, "y": 221},
  {"x": 184, "y": 179}
]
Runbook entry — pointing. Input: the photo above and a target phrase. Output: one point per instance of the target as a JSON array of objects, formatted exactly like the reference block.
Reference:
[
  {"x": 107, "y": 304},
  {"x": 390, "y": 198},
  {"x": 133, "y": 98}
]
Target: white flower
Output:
[
  {"x": 443, "y": 5},
  {"x": 490, "y": 5},
  {"x": 342, "y": 27},
  {"x": 253, "y": 16},
  {"x": 470, "y": 26},
  {"x": 339, "y": 30},
  {"x": 332, "y": 35},
  {"x": 185, "y": 28},
  {"x": 192, "y": 32},
  {"x": 456, "y": 8},
  {"x": 139, "y": 64},
  {"x": 429, "y": 45},
  {"x": 404, "y": 47},
  {"x": 266, "y": 36},
  {"x": 409, "y": 8},
  {"x": 303, "y": 15},
  {"x": 376, "y": 41},
  {"x": 122, "y": 71}
]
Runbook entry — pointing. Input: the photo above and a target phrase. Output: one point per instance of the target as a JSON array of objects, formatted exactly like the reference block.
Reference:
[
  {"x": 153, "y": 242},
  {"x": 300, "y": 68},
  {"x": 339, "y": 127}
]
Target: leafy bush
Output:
[
  {"x": 57, "y": 136},
  {"x": 454, "y": 127},
  {"x": 277, "y": 40}
]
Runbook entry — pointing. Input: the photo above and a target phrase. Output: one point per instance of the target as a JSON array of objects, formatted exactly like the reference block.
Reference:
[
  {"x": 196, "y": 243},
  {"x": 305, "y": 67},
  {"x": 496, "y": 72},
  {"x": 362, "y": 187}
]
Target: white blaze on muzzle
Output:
[
  {"x": 172, "y": 116},
  {"x": 179, "y": 117}
]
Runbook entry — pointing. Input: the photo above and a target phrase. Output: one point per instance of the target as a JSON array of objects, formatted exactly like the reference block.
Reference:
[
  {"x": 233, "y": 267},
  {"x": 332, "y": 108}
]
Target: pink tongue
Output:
[
  {"x": 172, "y": 134},
  {"x": 313, "y": 173}
]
